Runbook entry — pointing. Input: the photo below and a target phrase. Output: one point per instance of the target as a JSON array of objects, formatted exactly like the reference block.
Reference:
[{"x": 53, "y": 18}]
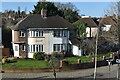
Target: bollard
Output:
[
  {"x": 93, "y": 59},
  {"x": 79, "y": 61},
  {"x": 103, "y": 58}
]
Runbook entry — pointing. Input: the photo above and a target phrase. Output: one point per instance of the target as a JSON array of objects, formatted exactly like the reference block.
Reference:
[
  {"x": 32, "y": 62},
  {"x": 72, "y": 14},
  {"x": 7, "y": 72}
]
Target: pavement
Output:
[{"x": 103, "y": 73}]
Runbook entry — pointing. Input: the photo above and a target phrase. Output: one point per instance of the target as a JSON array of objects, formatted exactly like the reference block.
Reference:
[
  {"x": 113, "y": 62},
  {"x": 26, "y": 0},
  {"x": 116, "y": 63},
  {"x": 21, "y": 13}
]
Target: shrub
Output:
[
  {"x": 4, "y": 60},
  {"x": 39, "y": 55},
  {"x": 54, "y": 54}
]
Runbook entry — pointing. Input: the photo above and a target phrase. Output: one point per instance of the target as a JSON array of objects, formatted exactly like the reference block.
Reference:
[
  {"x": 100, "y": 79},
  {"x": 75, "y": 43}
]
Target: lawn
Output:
[
  {"x": 84, "y": 59},
  {"x": 27, "y": 63}
]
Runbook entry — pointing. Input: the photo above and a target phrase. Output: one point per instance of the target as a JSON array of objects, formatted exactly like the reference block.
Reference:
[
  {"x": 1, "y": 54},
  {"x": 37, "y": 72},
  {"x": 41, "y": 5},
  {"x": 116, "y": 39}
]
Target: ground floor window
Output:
[
  {"x": 58, "y": 47},
  {"x": 36, "y": 48}
]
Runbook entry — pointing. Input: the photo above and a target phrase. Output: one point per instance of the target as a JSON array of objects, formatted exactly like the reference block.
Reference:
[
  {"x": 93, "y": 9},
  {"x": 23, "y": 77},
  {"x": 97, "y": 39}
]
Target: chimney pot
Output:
[{"x": 43, "y": 12}]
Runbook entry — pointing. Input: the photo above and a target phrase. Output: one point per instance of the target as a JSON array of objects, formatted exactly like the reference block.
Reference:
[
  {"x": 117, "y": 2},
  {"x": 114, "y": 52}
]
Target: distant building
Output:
[{"x": 92, "y": 27}]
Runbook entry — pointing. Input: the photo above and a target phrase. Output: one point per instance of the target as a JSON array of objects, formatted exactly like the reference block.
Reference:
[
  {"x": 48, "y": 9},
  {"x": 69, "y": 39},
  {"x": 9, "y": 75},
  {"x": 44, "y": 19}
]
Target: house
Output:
[
  {"x": 91, "y": 26},
  {"x": 108, "y": 33},
  {"x": 107, "y": 22},
  {"x": 39, "y": 33}
]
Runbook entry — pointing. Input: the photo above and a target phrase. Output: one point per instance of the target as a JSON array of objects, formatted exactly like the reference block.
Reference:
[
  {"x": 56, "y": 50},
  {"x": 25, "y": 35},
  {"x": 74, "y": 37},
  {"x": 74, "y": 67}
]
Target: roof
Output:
[
  {"x": 108, "y": 20},
  {"x": 88, "y": 21},
  {"x": 75, "y": 41},
  {"x": 37, "y": 21}
]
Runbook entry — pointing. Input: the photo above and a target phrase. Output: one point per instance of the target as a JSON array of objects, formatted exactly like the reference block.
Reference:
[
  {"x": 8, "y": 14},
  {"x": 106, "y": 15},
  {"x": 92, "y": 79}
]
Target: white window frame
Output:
[
  {"x": 59, "y": 33},
  {"x": 36, "y": 48},
  {"x": 36, "y": 33},
  {"x": 58, "y": 47},
  {"x": 22, "y": 33},
  {"x": 16, "y": 48}
]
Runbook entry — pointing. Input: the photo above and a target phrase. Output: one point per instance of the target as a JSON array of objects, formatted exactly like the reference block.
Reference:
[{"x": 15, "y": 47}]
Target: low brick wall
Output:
[
  {"x": 83, "y": 65},
  {"x": 5, "y": 52}
]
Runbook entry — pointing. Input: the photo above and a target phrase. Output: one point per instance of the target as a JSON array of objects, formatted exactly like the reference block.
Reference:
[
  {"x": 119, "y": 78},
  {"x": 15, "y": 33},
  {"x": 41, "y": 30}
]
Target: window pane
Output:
[
  {"x": 33, "y": 48},
  {"x": 16, "y": 48}
]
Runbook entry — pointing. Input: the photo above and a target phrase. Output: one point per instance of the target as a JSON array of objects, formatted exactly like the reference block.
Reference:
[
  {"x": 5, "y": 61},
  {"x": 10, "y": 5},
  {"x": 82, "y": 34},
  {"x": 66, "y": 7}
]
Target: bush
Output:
[
  {"x": 4, "y": 60},
  {"x": 39, "y": 55},
  {"x": 54, "y": 54}
]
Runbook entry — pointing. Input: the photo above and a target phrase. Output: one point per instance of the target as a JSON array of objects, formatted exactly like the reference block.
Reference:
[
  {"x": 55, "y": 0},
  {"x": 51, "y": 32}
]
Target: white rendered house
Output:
[{"x": 37, "y": 33}]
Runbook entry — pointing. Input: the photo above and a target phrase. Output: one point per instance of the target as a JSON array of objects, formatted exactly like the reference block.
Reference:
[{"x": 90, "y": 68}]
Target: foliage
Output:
[
  {"x": 80, "y": 29},
  {"x": 39, "y": 56},
  {"x": 64, "y": 10},
  {"x": 4, "y": 60},
  {"x": 51, "y": 8},
  {"x": 54, "y": 54}
]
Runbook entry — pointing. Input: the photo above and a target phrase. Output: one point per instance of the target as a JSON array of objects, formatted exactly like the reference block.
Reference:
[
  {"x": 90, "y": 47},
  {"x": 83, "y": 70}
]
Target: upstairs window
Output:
[
  {"x": 36, "y": 33},
  {"x": 22, "y": 33},
  {"x": 59, "y": 33}
]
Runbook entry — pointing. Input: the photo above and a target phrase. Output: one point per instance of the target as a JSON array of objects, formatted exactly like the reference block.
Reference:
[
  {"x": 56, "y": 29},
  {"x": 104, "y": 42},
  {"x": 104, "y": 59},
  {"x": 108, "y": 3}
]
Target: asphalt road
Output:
[{"x": 103, "y": 73}]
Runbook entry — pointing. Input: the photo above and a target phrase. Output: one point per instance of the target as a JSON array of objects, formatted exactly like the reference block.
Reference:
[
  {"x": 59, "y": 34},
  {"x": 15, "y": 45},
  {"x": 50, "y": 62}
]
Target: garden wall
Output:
[
  {"x": 83, "y": 65},
  {"x": 5, "y": 52}
]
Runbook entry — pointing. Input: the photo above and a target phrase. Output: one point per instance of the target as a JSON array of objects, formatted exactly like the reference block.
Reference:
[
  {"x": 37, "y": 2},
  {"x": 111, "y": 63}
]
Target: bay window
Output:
[
  {"x": 36, "y": 48},
  {"x": 58, "y": 47}
]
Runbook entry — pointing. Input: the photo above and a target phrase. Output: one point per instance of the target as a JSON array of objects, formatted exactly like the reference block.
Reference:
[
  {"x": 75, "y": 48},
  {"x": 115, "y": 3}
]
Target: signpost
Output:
[
  {"x": 109, "y": 64},
  {"x": 118, "y": 62}
]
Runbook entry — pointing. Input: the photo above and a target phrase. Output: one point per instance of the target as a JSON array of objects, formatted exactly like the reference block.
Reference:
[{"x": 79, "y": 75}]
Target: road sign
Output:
[{"x": 118, "y": 61}]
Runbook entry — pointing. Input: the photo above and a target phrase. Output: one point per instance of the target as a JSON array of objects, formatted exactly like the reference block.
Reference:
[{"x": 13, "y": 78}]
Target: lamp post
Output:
[{"x": 96, "y": 51}]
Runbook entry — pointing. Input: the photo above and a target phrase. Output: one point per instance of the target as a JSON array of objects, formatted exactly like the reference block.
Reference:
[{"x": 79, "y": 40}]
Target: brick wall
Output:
[
  {"x": 5, "y": 52},
  {"x": 17, "y": 38}
]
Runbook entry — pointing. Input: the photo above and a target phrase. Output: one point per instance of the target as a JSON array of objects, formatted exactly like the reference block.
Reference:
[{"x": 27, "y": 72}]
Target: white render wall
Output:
[
  {"x": 76, "y": 51},
  {"x": 93, "y": 31},
  {"x": 107, "y": 28},
  {"x": 48, "y": 40}
]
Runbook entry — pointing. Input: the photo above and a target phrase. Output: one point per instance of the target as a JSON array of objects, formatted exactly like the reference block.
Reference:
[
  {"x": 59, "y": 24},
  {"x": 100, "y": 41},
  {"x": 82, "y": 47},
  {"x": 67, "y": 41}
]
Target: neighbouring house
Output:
[
  {"x": 39, "y": 33},
  {"x": 108, "y": 33},
  {"x": 92, "y": 27},
  {"x": 107, "y": 22}
]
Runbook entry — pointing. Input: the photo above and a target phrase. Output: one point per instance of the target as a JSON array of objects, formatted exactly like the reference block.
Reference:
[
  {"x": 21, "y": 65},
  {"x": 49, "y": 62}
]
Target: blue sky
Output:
[{"x": 88, "y": 8}]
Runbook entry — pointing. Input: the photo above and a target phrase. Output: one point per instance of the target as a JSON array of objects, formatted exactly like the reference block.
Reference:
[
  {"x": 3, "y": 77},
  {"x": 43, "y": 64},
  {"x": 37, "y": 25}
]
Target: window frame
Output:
[{"x": 22, "y": 33}]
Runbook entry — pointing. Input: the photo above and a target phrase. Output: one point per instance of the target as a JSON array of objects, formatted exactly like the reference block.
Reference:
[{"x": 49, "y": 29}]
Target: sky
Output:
[{"x": 94, "y": 9}]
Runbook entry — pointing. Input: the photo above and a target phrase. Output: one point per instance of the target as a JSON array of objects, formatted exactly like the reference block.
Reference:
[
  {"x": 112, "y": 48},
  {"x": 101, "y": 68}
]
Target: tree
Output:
[
  {"x": 113, "y": 9},
  {"x": 70, "y": 12},
  {"x": 49, "y": 6},
  {"x": 67, "y": 11},
  {"x": 80, "y": 29}
]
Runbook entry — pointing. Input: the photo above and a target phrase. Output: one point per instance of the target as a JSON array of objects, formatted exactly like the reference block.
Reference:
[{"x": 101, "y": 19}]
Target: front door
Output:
[{"x": 16, "y": 50}]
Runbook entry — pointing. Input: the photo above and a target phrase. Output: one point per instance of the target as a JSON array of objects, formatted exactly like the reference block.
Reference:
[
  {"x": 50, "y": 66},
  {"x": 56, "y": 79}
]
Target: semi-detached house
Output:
[{"x": 39, "y": 33}]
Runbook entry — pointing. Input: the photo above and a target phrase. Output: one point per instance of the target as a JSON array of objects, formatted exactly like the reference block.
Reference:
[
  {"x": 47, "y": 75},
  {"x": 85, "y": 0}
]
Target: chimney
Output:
[{"x": 43, "y": 13}]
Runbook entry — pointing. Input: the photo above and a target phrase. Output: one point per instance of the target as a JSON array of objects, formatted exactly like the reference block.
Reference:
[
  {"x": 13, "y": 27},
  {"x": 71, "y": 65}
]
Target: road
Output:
[{"x": 102, "y": 72}]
